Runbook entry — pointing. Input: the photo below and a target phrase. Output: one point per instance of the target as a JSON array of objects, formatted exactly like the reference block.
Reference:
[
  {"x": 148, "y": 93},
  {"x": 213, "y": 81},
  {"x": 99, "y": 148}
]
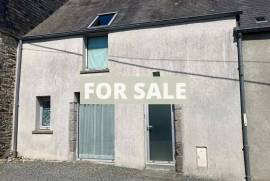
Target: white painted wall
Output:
[
  {"x": 205, "y": 52},
  {"x": 48, "y": 68}
]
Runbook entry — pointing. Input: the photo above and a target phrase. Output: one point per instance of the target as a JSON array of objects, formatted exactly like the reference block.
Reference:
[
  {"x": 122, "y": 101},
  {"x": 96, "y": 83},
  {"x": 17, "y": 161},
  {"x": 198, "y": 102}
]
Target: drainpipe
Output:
[
  {"x": 16, "y": 110},
  {"x": 243, "y": 107}
]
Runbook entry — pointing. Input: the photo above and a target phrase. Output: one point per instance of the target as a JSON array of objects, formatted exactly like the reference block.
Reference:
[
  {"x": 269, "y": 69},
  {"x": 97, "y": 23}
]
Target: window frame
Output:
[
  {"x": 41, "y": 99},
  {"x": 86, "y": 69},
  {"x": 115, "y": 13}
]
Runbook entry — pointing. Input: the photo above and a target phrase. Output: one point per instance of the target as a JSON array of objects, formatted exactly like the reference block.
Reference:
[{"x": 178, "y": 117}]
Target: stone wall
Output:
[
  {"x": 8, "y": 47},
  {"x": 178, "y": 138},
  {"x": 73, "y": 121}
]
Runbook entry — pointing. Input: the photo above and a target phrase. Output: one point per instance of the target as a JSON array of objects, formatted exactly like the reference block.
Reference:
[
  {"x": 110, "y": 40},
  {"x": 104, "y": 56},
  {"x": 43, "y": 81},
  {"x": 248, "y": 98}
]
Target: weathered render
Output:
[
  {"x": 17, "y": 17},
  {"x": 256, "y": 52},
  {"x": 48, "y": 68},
  {"x": 204, "y": 52}
]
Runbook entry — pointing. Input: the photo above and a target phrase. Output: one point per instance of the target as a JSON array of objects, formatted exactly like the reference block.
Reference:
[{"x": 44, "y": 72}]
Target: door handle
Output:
[{"x": 149, "y": 127}]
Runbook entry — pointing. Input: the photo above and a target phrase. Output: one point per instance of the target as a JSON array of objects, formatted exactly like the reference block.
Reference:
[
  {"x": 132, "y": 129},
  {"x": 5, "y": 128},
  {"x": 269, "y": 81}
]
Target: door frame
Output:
[{"x": 147, "y": 138}]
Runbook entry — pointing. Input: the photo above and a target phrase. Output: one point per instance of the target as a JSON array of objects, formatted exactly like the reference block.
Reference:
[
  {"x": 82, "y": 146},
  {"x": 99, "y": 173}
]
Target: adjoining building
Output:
[
  {"x": 199, "y": 40},
  {"x": 256, "y": 52}
]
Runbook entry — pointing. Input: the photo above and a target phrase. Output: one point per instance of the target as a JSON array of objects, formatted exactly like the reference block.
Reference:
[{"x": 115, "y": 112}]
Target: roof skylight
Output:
[{"x": 103, "y": 20}]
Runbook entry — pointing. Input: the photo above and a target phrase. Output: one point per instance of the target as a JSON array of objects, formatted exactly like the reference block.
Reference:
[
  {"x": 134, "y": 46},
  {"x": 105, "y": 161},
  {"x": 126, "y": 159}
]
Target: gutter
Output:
[
  {"x": 16, "y": 105},
  {"x": 253, "y": 30},
  {"x": 107, "y": 29},
  {"x": 243, "y": 106}
]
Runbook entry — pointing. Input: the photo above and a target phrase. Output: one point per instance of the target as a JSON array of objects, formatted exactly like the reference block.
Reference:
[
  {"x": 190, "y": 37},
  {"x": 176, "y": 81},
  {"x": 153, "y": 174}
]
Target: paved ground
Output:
[{"x": 79, "y": 171}]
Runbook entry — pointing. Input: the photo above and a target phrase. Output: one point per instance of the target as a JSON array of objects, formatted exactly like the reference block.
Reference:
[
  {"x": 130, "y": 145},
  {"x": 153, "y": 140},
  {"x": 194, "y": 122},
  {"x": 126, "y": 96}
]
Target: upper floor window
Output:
[
  {"x": 97, "y": 53},
  {"x": 103, "y": 20}
]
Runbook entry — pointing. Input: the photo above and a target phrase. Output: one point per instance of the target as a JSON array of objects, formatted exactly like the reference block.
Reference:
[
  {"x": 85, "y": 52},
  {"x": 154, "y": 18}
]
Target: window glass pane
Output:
[
  {"x": 46, "y": 116},
  {"x": 97, "y": 53},
  {"x": 46, "y": 109},
  {"x": 103, "y": 20},
  {"x": 160, "y": 134},
  {"x": 96, "y": 131}
]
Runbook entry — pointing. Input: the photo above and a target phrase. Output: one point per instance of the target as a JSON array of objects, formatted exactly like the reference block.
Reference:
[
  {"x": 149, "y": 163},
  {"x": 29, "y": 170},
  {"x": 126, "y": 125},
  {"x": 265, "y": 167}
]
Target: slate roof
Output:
[
  {"x": 76, "y": 15},
  {"x": 252, "y": 9},
  {"x": 18, "y": 17}
]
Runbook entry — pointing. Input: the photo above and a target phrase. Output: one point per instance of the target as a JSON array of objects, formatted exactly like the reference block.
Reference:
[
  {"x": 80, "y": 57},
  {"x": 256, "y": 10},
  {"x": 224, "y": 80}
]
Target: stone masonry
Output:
[
  {"x": 178, "y": 119},
  {"x": 7, "y": 82},
  {"x": 73, "y": 121}
]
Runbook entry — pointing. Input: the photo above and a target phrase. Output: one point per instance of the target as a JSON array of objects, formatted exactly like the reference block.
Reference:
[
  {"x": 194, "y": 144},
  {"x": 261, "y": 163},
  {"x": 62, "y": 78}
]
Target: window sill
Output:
[
  {"x": 42, "y": 132},
  {"x": 94, "y": 71}
]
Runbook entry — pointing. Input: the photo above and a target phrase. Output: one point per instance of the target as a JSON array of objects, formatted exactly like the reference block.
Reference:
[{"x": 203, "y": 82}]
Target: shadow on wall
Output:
[
  {"x": 115, "y": 60},
  {"x": 187, "y": 73}
]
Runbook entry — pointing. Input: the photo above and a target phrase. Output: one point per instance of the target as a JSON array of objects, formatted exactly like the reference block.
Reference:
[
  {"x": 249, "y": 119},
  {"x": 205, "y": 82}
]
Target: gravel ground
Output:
[{"x": 79, "y": 171}]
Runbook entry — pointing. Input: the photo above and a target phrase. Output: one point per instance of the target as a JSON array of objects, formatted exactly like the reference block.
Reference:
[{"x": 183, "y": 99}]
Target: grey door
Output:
[
  {"x": 96, "y": 132},
  {"x": 160, "y": 133}
]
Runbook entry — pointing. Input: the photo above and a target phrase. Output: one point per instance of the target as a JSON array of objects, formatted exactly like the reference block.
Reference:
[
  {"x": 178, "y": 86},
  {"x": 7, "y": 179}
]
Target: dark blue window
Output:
[{"x": 103, "y": 20}]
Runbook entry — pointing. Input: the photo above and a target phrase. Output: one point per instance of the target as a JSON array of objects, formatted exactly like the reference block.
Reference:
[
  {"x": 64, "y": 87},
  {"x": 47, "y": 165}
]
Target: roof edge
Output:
[
  {"x": 253, "y": 30},
  {"x": 9, "y": 34},
  {"x": 133, "y": 26}
]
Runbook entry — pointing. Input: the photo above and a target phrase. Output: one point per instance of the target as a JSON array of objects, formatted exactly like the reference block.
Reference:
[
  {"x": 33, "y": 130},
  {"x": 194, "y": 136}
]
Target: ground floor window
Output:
[
  {"x": 43, "y": 112},
  {"x": 96, "y": 132}
]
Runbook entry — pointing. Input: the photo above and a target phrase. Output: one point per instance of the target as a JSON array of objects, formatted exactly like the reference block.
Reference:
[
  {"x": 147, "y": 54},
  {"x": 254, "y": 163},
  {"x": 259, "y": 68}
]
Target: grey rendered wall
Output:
[
  {"x": 204, "y": 51},
  {"x": 48, "y": 69},
  {"x": 256, "y": 52}
]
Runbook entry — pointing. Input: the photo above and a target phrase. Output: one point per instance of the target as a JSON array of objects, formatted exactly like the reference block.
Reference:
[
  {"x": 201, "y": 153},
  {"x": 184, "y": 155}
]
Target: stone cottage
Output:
[
  {"x": 206, "y": 41},
  {"x": 17, "y": 17}
]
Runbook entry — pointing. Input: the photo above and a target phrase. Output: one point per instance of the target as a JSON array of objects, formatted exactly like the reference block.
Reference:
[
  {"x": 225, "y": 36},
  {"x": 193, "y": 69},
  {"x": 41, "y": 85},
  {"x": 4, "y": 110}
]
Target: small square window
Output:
[
  {"x": 103, "y": 20},
  {"x": 44, "y": 112}
]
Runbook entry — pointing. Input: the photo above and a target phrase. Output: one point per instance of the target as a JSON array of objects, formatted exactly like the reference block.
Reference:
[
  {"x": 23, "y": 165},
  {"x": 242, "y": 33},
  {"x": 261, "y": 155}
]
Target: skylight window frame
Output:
[{"x": 103, "y": 14}]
